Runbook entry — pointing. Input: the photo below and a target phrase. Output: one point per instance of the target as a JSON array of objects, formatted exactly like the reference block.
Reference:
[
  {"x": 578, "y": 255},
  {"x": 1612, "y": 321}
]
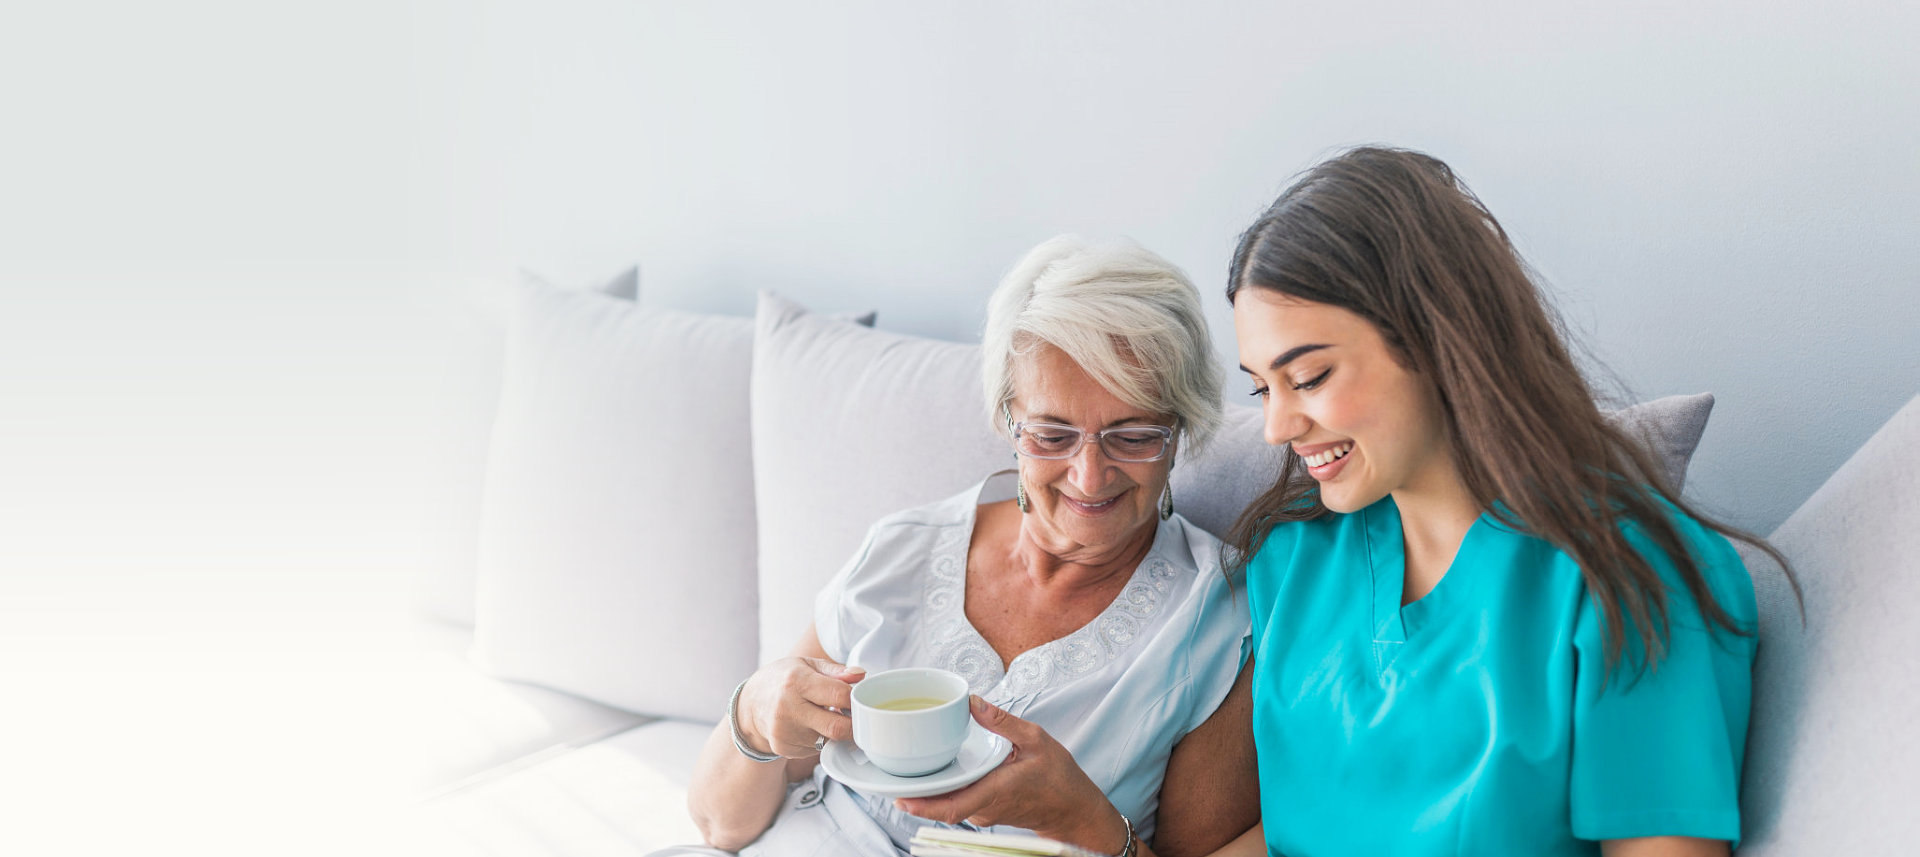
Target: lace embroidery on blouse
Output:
[{"x": 957, "y": 647}]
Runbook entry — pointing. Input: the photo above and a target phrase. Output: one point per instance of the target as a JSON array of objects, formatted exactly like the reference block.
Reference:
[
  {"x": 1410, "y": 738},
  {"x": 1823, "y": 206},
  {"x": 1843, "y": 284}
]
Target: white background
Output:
[{"x": 233, "y": 235}]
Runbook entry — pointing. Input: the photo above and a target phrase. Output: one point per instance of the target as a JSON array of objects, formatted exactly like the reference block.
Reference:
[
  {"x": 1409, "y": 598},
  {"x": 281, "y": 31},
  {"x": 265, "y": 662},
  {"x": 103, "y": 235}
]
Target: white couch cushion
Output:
[
  {"x": 475, "y": 356},
  {"x": 617, "y": 552},
  {"x": 625, "y": 796},
  {"x": 1832, "y": 761},
  {"x": 852, "y": 424}
]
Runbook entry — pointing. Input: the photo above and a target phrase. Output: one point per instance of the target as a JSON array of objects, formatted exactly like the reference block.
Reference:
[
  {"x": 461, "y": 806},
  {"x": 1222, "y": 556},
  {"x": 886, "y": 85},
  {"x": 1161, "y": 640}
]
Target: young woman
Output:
[{"x": 1486, "y": 624}]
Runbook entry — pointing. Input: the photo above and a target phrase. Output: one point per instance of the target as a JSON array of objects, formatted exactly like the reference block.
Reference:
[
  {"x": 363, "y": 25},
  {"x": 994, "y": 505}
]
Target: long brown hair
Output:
[{"x": 1394, "y": 237}]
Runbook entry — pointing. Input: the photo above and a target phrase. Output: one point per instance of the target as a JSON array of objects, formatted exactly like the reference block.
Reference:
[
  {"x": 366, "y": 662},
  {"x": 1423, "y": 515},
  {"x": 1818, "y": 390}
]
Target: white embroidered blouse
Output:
[{"x": 1118, "y": 693}]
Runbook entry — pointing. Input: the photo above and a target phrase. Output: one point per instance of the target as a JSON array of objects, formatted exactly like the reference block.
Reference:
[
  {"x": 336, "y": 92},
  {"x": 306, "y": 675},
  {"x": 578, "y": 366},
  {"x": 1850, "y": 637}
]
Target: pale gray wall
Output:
[
  {"x": 1722, "y": 194},
  {"x": 230, "y": 232}
]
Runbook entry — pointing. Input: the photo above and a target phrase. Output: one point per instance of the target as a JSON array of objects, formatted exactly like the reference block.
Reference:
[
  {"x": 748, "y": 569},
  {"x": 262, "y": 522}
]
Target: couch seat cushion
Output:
[
  {"x": 621, "y": 797},
  {"x": 469, "y": 723}
]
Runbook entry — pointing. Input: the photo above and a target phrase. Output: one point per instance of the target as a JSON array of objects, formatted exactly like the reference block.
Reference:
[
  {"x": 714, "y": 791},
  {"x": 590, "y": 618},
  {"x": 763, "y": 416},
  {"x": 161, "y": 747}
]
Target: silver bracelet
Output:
[
  {"x": 740, "y": 743},
  {"x": 1127, "y": 851}
]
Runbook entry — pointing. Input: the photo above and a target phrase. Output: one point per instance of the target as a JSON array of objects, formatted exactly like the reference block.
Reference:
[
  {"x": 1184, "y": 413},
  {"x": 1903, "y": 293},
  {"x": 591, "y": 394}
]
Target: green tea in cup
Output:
[{"x": 909, "y": 703}]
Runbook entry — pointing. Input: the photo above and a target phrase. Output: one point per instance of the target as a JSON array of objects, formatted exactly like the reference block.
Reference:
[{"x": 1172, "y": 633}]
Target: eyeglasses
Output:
[{"x": 1121, "y": 443}]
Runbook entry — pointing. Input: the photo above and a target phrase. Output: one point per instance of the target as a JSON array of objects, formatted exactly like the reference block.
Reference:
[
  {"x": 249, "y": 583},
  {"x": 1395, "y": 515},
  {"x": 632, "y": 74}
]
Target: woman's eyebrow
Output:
[
  {"x": 1055, "y": 419},
  {"x": 1288, "y": 356}
]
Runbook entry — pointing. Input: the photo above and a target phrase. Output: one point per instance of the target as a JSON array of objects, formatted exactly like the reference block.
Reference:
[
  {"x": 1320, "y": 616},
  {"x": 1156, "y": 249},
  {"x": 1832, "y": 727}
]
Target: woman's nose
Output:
[
  {"x": 1090, "y": 469},
  {"x": 1284, "y": 422}
]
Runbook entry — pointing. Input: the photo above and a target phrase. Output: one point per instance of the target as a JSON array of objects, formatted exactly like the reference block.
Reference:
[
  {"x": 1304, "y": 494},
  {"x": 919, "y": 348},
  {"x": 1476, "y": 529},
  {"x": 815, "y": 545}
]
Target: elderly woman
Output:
[{"x": 1093, "y": 623}]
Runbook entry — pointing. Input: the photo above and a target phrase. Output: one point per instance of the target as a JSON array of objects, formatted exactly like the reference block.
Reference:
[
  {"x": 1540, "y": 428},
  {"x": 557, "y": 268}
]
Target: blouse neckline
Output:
[{"x": 1085, "y": 650}]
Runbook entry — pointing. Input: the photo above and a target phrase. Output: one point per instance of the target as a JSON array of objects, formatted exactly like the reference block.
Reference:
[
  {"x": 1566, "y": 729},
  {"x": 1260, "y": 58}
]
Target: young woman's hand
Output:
[{"x": 1039, "y": 787}]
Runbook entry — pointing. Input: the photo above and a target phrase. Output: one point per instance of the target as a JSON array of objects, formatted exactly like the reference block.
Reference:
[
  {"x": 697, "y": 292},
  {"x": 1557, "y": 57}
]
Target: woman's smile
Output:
[
  {"x": 1094, "y": 509},
  {"x": 1324, "y": 466}
]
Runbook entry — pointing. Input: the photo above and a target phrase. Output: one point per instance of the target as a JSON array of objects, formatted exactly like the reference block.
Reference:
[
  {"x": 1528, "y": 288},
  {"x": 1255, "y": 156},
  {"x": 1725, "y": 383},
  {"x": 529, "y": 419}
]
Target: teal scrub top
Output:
[{"x": 1480, "y": 718}]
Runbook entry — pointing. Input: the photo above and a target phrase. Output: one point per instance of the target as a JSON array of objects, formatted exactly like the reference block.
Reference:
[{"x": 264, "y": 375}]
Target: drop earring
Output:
[{"x": 1166, "y": 503}]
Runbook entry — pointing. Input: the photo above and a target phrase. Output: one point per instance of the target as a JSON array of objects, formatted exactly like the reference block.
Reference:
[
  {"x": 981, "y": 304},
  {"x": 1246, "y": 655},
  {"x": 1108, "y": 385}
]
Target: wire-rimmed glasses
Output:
[{"x": 1120, "y": 443}]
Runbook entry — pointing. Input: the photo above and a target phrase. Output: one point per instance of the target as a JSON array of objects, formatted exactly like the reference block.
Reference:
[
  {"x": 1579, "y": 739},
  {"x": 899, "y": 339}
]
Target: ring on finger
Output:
[{"x": 819, "y": 743}]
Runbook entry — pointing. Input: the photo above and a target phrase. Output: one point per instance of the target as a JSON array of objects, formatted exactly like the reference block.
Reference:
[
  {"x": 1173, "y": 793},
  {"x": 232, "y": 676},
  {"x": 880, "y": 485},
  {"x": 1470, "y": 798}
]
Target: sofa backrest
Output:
[
  {"x": 668, "y": 491},
  {"x": 1833, "y": 762},
  {"x": 852, "y": 424}
]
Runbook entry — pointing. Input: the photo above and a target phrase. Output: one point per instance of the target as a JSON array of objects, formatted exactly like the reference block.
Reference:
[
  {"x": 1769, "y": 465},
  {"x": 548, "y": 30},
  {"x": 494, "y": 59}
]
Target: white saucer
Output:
[{"x": 982, "y": 752}]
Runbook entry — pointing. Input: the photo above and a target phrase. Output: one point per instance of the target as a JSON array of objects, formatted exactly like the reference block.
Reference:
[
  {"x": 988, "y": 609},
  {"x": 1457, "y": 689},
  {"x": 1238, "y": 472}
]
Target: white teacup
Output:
[{"x": 911, "y": 722}]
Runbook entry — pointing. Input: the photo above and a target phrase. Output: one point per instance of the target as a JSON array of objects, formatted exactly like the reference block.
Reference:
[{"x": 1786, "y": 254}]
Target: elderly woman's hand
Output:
[
  {"x": 790, "y": 704},
  {"x": 1039, "y": 787}
]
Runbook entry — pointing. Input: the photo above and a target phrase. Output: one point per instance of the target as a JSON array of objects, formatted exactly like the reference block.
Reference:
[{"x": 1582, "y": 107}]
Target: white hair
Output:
[{"x": 1128, "y": 317}]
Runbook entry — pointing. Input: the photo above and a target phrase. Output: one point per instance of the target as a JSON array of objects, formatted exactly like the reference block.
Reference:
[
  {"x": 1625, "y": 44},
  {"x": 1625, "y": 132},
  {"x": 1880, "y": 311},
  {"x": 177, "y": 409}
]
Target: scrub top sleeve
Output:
[
  {"x": 835, "y": 618},
  {"x": 1658, "y": 752}
]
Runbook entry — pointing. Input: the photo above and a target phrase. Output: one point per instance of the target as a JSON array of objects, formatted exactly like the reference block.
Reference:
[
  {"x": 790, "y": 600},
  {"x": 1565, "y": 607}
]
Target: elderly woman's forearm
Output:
[
  {"x": 1212, "y": 788},
  {"x": 733, "y": 799}
]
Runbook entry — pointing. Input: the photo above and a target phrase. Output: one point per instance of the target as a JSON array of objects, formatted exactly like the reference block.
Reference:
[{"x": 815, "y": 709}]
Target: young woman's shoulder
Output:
[
  {"x": 1310, "y": 543},
  {"x": 1713, "y": 555},
  {"x": 1285, "y": 537}
]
